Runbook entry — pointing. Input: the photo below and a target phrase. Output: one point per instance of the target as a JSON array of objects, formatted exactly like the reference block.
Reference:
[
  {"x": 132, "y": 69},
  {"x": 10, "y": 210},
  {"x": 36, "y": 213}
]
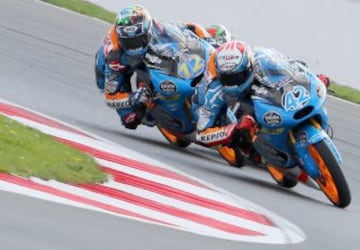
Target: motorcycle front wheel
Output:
[
  {"x": 331, "y": 181},
  {"x": 173, "y": 139}
]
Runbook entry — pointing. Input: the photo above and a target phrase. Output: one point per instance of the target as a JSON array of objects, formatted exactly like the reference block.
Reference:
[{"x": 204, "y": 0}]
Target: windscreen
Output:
[
  {"x": 275, "y": 70},
  {"x": 279, "y": 78},
  {"x": 175, "y": 51},
  {"x": 171, "y": 40}
]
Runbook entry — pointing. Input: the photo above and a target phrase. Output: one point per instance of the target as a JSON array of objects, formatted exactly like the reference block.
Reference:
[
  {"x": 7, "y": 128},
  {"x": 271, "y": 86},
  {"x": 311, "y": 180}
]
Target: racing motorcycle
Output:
[
  {"x": 293, "y": 135},
  {"x": 287, "y": 100},
  {"x": 175, "y": 65}
]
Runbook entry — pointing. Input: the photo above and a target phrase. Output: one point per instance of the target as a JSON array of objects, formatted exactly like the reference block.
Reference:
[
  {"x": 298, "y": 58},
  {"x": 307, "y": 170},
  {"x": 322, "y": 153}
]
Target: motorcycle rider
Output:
[
  {"x": 229, "y": 77},
  {"x": 121, "y": 53},
  {"x": 220, "y": 33}
]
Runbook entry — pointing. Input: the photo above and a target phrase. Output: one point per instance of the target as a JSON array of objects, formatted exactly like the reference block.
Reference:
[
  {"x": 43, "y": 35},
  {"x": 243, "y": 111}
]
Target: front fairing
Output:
[
  {"x": 169, "y": 90},
  {"x": 285, "y": 96},
  {"x": 176, "y": 63},
  {"x": 178, "y": 52},
  {"x": 172, "y": 96},
  {"x": 286, "y": 93}
]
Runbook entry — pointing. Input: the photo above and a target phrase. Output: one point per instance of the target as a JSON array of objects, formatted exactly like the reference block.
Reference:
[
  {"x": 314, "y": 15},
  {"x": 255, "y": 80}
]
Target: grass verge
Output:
[
  {"x": 344, "y": 92},
  {"x": 85, "y": 8},
  {"x": 90, "y": 9},
  {"x": 28, "y": 152}
]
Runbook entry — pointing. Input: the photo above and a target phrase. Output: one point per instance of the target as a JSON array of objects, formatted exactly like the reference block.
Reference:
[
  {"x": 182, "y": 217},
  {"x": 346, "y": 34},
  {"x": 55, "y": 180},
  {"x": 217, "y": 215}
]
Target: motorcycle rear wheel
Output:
[
  {"x": 331, "y": 181},
  {"x": 173, "y": 139},
  {"x": 233, "y": 156},
  {"x": 280, "y": 177}
]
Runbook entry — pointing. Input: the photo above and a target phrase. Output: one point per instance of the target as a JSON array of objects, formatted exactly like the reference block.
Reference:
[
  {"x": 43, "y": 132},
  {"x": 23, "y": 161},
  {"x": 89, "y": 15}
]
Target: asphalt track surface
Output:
[{"x": 47, "y": 65}]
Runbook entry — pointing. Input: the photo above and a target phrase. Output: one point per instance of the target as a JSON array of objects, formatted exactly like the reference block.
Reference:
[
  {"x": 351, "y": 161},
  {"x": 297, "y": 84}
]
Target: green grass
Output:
[
  {"x": 344, "y": 92},
  {"x": 85, "y": 8},
  {"x": 28, "y": 152}
]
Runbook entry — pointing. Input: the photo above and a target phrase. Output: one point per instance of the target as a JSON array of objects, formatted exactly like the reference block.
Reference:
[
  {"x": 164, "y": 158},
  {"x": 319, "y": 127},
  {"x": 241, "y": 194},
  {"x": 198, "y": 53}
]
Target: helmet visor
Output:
[
  {"x": 134, "y": 43},
  {"x": 234, "y": 78}
]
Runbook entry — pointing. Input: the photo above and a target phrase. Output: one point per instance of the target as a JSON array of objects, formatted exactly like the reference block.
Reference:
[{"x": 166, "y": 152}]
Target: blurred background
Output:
[{"x": 323, "y": 33}]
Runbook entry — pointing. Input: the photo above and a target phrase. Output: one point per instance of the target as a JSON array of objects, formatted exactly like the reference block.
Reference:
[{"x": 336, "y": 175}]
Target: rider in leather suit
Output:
[
  {"x": 230, "y": 74},
  {"x": 121, "y": 53}
]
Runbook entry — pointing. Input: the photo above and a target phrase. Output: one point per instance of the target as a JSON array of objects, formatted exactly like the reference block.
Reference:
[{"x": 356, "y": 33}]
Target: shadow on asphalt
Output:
[{"x": 211, "y": 157}]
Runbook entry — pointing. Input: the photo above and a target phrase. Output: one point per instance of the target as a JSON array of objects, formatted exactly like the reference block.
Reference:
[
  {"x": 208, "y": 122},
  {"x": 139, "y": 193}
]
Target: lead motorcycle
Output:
[
  {"x": 175, "y": 64},
  {"x": 288, "y": 102}
]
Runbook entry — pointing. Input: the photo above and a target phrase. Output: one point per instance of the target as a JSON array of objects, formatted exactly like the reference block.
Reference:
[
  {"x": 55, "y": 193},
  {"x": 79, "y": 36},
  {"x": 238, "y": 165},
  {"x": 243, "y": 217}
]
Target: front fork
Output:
[{"x": 307, "y": 135}]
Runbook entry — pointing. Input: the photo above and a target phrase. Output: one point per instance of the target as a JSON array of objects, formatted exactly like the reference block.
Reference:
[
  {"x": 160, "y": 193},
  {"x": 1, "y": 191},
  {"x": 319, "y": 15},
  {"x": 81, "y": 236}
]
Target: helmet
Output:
[
  {"x": 233, "y": 64},
  {"x": 219, "y": 33},
  {"x": 133, "y": 27}
]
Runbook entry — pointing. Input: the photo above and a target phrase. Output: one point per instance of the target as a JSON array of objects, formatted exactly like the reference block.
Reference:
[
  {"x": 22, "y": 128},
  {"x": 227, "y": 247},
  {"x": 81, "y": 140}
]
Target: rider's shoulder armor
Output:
[{"x": 111, "y": 42}]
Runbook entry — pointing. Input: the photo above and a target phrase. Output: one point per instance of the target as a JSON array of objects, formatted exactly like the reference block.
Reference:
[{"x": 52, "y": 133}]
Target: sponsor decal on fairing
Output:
[
  {"x": 272, "y": 119},
  {"x": 168, "y": 87}
]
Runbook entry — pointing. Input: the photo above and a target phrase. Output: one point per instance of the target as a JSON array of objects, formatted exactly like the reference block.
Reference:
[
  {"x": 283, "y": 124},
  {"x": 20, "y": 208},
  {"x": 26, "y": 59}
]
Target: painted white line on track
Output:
[{"x": 159, "y": 195}]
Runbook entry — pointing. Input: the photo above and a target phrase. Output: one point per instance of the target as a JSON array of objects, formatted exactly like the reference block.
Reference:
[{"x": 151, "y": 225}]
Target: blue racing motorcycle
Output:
[
  {"x": 175, "y": 63},
  {"x": 288, "y": 102}
]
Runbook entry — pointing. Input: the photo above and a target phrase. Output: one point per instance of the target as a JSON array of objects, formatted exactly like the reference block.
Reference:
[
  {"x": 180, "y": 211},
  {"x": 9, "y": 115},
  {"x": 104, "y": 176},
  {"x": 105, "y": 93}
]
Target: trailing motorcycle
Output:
[{"x": 174, "y": 67}]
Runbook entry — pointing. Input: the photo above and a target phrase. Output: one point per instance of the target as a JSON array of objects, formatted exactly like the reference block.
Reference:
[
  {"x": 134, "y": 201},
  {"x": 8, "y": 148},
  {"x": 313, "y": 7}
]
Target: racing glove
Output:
[
  {"x": 243, "y": 132},
  {"x": 140, "y": 97}
]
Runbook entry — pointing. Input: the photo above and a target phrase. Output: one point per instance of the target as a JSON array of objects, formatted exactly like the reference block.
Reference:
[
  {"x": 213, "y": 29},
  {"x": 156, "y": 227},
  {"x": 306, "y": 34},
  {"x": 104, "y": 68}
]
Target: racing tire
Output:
[
  {"x": 173, "y": 139},
  {"x": 280, "y": 177},
  {"x": 232, "y": 156},
  {"x": 331, "y": 181}
]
